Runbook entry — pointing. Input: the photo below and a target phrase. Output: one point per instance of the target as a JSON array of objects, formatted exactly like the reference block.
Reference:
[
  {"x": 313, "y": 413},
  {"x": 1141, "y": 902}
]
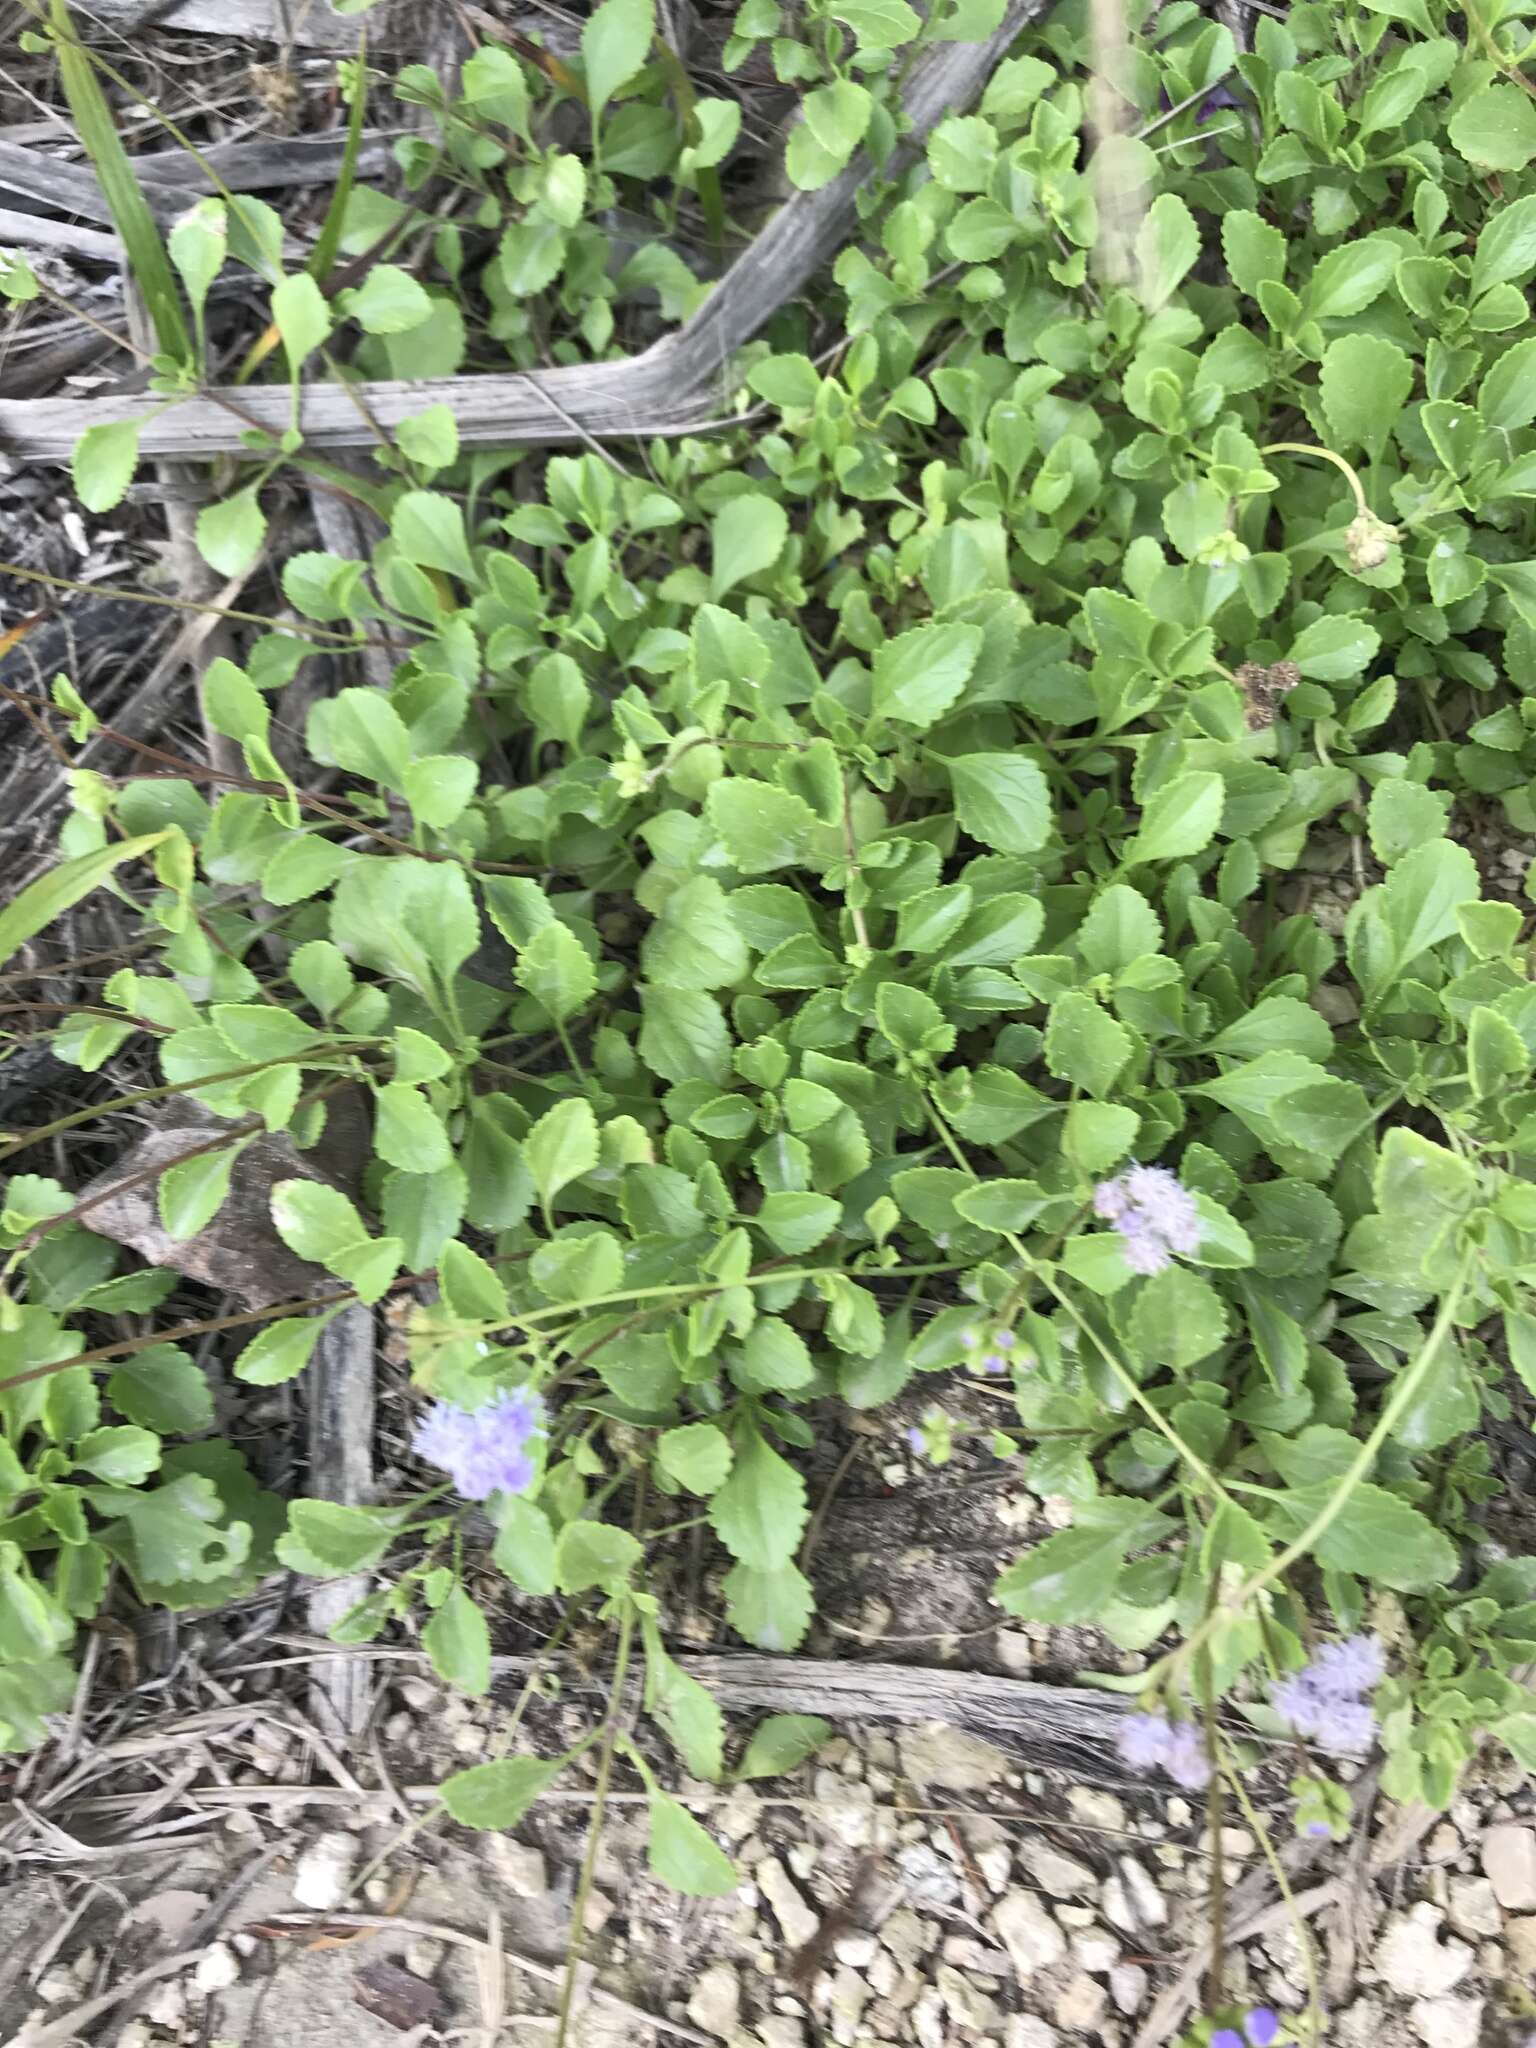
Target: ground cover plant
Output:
[{"x": 841, "y": 905}]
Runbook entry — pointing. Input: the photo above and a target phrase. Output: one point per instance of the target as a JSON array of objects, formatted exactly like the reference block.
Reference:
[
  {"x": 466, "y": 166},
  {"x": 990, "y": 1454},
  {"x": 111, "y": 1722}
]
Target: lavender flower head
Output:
[
  {"x": 483, "y": 1450},
  {"x": 1148, "y": 1741},
  {"x": 1260, "y": 2029},
  {"x": 1154, "y": 1214},
  {"x": 1324, "y": 1702}
]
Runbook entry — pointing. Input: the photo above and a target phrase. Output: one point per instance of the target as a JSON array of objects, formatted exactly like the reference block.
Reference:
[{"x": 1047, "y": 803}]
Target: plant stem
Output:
[
  {"x": 595, "y": 1832},
  {"x": 1338, "y": 1499}
]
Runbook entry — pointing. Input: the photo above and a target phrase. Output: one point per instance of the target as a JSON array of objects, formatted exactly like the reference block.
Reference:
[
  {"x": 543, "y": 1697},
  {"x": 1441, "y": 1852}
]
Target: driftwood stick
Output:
[
  {"x": 40, "y": 231},
  {"x": 675, "y": 387},
  {"x": 1059, "y": 1727},
  {"x": 341, "y": 1390}
]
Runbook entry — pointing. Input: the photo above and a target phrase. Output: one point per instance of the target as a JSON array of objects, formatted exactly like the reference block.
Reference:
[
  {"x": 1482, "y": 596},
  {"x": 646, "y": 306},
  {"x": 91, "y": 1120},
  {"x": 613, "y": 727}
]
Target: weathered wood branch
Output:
[
  {"x": 678, "y": 386},
  {"x": 1060, "y": 1727}
]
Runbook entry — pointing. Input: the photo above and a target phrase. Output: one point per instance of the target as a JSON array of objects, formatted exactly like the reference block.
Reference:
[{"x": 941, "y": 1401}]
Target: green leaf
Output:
[
  {"x": 877, "y": 24},
  {"x": 164, "y": 1390},
  {"x": 192, "y": 1192},
  {"x": 684, "y": 1036},
  {"x": 389, "y": 301},
  {"x": 329, "y": 1541},
  {"x": 561, "y": 1147},
  {"x": 103, "y": 463},
  {"x": 1178, "y": 1319},
  {"x": 314, "y": 1219},
  {"x": 438, "y": 788},
  {"x": 1495, "y": 128},
  {"x": 122, "y": 1456},
  {"x": 1121, "y": 927},
  {"x": 1254, "y": 250},
  {"x": 770, "y": 1609},
  {"x": 1072, "y": 1576},
  {"x": 763, "y": 827},
  {"x": 1347, "y": 279},
  {"x": 1422, "y": 895},
  {"x": 1084, "y": 1044},
  {"x": 230, "y": 534},
  {"x": 407, "y": 1131},
  {"x": 781, "y": 1744},
  {"x": 1365, "y": 385},
  {"x": 557, "y": 971},
  {"x": 1375, "y": 1535},
  {"x": 302, "y": 317},
  {"x": 525, "y": 1546},
  {"x": 1496, "y": 1053},
  {"x": 471, "y": 1287},
  {"x": 1506, "y": 246},
  {"x": 594, "y": 1554},
  {"x": 1004, "y": 1204},
  {"x": 1179, "y": 819},
  {"x": 1167, "y": 247},
  {"x": 1002, "y": 800},
  {"x": 1333, "y": 649},
  {"x": 794, "y": 1223},
  {"x": 697, "y": 1456},
  {"x": 361, "y": 731},
  {"x": 681, "y": 1854},
  {"x": 686, "y": 1710},
  {"x": 696, "y": 943},
  {"x": 498, "y": 1795},
  {"x": 428, "y": 529},
  {"x": 1506, "y": 398},
  {"x": 457, "y": 1641},
  {"x": 919, "y": 675},
  {"x": 615, "y": 41},
  {"x": 1403, "y": 815},
  {"x": 120, "y": 186},
  {"x": 232, "y": 703},
  {"x": 63, "y": 887},
  {"x": 746, "y": 536},
  {"x": 280, "y": 1351},
  {"x": 760, "y": 1512}
]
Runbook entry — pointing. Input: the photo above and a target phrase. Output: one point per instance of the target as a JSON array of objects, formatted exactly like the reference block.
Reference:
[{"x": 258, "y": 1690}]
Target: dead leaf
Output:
[
  {"x": 396, "y": 1997},
  {"x": 169, "y": 1913}
]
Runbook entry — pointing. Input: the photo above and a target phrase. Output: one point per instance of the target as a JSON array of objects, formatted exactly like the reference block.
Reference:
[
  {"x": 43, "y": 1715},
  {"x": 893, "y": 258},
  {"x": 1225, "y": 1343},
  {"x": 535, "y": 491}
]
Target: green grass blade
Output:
[
  {"x": 135, "y": 224},
  {"x": 63, "y": 887},
  {"x": 323, "y": 255}
]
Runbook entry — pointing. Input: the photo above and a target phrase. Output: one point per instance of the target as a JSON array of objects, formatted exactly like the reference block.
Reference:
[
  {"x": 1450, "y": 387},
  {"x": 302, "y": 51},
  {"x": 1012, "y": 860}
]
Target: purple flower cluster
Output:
[
  {"x": 1260, "y": 2029},
  {"x": 1153, "y": 1213},
  {"x": 483, "y": 1450},
  {"x": 1147, "y": 1741},
  {"x": 994, "y": 1361},
  {"x": 1325, "y": 1701}
]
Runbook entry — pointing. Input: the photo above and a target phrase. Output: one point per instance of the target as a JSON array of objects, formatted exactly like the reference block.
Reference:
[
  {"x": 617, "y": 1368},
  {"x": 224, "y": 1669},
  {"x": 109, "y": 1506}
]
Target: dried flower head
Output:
[
  {"x": 1263, "y": 689},
  {"x": 1369, "y": 541}
]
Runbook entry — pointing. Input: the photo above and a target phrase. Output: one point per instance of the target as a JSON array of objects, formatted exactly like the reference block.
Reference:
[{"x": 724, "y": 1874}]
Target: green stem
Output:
[
  {"x": 1338, "y": 1499},
  {"x": 595, "y": 1832},
  {"x": 1032, "y": 1266}
]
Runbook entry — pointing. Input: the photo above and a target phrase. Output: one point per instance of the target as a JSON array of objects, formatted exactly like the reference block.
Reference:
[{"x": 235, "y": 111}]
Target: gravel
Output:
[{"x": 1509, "y": 1862}]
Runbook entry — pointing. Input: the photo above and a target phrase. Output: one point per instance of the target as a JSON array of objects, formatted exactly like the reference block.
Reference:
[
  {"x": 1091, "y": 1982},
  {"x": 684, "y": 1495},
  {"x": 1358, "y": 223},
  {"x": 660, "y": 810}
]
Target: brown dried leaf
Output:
[{"x": 396, "y": 1997}]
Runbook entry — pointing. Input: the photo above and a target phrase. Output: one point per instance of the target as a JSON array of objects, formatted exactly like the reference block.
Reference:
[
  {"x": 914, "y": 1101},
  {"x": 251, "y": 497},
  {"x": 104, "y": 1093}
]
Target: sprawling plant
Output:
[{"x": 990, "y": 869}]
